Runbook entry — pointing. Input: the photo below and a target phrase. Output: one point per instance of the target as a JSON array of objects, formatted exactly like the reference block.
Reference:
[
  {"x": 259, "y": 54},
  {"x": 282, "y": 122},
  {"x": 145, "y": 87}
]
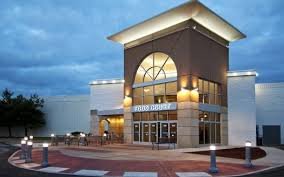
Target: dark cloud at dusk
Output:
[{"x": 56, "y": 47}]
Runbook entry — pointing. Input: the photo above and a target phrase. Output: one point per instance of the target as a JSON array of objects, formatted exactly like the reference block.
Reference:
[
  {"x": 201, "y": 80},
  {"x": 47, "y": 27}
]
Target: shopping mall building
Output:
[
  {"x": 175, "y": 80},
  {"x": 176, "y": 85}
]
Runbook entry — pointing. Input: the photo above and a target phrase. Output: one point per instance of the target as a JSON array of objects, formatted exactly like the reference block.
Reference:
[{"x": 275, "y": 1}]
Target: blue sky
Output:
[{"x": 55, "y": 47}]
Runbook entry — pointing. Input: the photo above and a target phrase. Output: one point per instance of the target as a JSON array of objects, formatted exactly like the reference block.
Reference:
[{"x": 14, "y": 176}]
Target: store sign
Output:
[{"x": 154, "y": 107}]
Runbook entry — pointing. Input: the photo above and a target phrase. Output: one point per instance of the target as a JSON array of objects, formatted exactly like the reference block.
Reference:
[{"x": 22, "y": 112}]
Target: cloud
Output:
[{"x": 57, "y": 47}]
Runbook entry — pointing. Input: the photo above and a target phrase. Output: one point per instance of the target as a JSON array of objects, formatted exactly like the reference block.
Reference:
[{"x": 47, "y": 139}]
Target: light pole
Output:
[
  {"x": 23, "y": 149},
  {"x": 248, "y": 163},
  {"x": 44, "y": 162},
  {"x": 29, "y": 152},
  {"x": 213, "y": 166}
]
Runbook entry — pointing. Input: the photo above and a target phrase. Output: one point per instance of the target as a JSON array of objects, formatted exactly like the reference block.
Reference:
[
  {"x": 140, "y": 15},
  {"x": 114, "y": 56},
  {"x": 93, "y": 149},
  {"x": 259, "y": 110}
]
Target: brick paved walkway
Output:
[{"x": 162, "y": 168}]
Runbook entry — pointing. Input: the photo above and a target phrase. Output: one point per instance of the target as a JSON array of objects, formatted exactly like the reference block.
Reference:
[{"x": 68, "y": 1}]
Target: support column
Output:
[
  {"x": 224, "y": 126},
  {"x": 95, "y": 123},
  {"x": 128, "y": 127},
  {"x": 188, "y": 125}
]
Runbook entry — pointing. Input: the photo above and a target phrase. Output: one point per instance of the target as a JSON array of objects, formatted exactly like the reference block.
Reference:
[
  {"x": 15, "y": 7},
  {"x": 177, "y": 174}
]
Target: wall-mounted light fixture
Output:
[
  {"x": 195, "y": 89},
  {"x": 127, "y": 102},
  {"x": 183, "y": 95}
]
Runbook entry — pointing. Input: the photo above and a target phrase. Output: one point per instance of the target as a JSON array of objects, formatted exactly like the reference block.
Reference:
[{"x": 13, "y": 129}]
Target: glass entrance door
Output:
[
  {"x": 173, "y": 132},
  {"x": 136, "y": 132},
  {"x": 164, "y": 130},
  {"x": 146, "y": 132},
  {"x": 153, "y": 132}
]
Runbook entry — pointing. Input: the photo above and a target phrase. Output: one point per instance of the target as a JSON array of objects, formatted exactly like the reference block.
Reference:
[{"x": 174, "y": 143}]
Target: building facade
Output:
[{"x": 175, "y": 73}]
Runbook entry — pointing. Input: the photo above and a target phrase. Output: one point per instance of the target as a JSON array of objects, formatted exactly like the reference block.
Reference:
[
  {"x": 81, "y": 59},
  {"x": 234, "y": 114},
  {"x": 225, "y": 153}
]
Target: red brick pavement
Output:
[{"x": 118, "y": 167}]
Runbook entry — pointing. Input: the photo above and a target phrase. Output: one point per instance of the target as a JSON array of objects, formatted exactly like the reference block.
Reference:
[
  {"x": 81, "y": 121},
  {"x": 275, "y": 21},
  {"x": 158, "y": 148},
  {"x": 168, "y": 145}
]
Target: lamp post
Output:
[
  {"x": 23, "y": 149},
  {"x": 29, "y": 152},
  {"x": 248, "y": 163},
  {"x": 213, "y": 166},
  {"x": 44, "y": 162}
]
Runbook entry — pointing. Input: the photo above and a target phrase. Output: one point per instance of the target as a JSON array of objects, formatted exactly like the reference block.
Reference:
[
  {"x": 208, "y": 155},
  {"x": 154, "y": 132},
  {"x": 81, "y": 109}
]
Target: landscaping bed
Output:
[{"x": 236, "y": 153}]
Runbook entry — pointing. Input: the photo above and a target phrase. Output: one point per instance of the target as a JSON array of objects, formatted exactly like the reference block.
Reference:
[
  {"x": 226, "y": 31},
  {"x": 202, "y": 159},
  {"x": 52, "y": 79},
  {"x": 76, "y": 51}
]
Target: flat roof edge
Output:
[
  {"x": 239, "y": 73},
  {"x": 190, "y": 10}
]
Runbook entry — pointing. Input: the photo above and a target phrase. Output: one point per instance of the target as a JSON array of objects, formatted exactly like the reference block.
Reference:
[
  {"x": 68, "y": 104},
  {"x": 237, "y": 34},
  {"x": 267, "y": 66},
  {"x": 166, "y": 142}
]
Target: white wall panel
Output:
[
  {"x": 241, "y": 110},
  {"x": 106, "y": 96},
  {"x": 65, "y": 114}
]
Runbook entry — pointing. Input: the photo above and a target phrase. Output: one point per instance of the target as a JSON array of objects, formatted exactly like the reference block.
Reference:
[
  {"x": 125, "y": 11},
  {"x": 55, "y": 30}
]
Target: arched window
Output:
[{"x": 156, "y": 66}]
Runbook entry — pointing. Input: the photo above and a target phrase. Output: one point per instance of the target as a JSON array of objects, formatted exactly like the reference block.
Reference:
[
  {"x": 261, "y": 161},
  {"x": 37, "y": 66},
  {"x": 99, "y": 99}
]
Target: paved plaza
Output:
[{"x": 134, "y": 160}]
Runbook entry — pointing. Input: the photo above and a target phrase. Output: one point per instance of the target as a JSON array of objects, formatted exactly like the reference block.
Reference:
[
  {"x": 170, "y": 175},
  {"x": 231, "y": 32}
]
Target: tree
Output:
[
  {"x": 6, "y": 114},
  {"x": 21, "y": 111},
  {"x": 29, "y": 114}
]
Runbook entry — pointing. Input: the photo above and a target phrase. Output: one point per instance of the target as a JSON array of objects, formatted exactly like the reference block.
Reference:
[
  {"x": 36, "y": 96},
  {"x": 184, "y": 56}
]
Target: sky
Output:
[{"x": 56, "y": 47}]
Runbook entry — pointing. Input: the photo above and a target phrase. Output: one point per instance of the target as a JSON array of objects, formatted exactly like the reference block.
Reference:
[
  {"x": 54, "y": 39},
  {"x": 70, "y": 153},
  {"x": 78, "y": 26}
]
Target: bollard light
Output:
[
  {"x": 23, "y": 142},
  {"x": 105, "y": 134},
  {"x": 68, "y": 134},
  {"x": 26, "y": 138},
  {"x": 53, "y": 139},
  {"x": 212, "y": 148},
  {"x": 30, "y": 143},
  {"x": 29, "y": 152},
  {"x": 213, "y": 166},
  {"x": 83, "y": 139},
  {"x": 248, "y": 144},
  {"x": 23, "y": 149},
  {"x": 248, "y": 163},
  {"x": 31, "y": 137},
  {"x": 44, "y": 162}
]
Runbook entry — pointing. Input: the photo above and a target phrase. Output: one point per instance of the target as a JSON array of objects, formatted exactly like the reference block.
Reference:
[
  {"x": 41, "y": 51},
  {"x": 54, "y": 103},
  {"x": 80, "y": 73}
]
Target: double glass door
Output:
[{"x": 151, "y": 131}]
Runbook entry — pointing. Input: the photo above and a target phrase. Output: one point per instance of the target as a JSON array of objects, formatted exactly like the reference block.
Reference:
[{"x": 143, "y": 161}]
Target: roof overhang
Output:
[{"x": 189, "y": 10}]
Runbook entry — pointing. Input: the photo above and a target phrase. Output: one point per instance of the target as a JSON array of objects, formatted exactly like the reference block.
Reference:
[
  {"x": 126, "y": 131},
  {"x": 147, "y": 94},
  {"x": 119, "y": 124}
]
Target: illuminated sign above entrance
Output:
[{"x": 154, "y": 107}]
